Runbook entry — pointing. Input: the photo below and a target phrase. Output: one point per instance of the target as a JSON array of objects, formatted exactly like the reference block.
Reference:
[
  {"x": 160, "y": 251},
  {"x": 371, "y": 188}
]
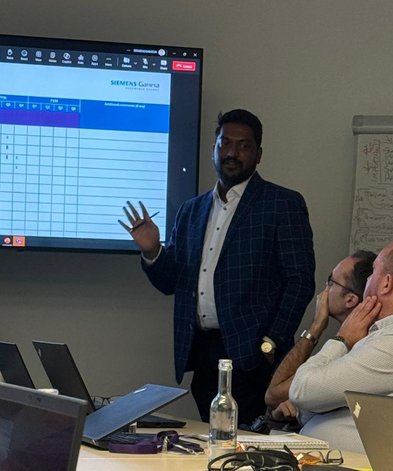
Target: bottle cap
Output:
[{"x": 225, "y": 364}]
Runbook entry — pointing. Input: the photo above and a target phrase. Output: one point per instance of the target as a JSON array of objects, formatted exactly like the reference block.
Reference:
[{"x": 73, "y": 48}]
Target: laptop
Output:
[
  {"x": 64, "y": 376},
  {"x": 373, "y": 416},
  {"x": 39, "y": 431},
  {"x": 103, "y": 425},
  {"x": 12, "y": 366}
]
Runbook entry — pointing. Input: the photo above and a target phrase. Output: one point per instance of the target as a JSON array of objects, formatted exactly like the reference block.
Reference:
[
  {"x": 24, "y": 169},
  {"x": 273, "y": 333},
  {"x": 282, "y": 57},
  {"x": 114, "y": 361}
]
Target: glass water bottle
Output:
[{"x": 223, "y": 414}]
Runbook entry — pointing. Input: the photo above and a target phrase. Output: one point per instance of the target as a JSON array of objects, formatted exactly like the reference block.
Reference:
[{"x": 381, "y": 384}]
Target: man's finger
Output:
[
  {"x": 134, "y": 211},
  {"x": 128, "y": 215},
  {"x": 144, "y": 211},
  {"x": 127, "y": 228},
  {"x": 365, "y": 307}
]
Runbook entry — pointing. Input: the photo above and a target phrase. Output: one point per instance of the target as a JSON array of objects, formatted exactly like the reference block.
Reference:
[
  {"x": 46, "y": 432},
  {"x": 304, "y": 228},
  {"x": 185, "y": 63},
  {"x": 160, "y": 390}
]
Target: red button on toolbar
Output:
[{"x": 184, "y": 65}]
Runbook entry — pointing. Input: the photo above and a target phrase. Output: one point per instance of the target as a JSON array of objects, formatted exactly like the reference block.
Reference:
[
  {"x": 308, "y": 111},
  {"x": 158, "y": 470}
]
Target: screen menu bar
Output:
[{"x": 159, "y": 60}]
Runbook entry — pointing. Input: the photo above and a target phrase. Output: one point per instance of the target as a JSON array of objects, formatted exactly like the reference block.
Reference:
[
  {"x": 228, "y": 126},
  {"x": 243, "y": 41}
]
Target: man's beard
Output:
[{"x": 229, "y": 178}]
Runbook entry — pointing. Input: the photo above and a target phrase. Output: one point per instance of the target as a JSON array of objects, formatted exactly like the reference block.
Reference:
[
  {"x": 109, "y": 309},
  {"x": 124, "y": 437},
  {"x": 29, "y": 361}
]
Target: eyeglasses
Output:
[
  {"x": 100, "y": 401},
  {"x": 331, "y": 281},
  {"x": 333, "y": 456}
]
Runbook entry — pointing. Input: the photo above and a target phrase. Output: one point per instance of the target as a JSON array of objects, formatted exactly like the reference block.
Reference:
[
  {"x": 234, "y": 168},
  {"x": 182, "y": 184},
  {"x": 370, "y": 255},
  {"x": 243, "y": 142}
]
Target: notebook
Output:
[
  {"x": 373, "y": 416},
  {"x": 293, "y": 441},
  {"x": 12, "y": 366},
  {"x": 64, "y": 376},
  {"x": 39, "y": 431},
  {"x": 327, "y": 467}
]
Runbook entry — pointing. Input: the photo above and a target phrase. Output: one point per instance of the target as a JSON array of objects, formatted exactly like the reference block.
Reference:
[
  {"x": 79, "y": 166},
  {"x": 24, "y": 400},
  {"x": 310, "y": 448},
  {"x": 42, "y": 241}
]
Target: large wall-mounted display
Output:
[{"x": 86, "y": 126}]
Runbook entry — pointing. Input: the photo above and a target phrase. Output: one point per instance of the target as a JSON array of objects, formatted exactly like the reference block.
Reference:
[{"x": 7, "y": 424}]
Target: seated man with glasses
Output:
[
  {"x": 358, "y": 358},
  {"x": 343, "y": 292}
]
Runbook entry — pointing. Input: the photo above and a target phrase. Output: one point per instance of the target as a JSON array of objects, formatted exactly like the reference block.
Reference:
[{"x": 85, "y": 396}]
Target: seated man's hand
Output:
[
  {"x": 284, "y": 411},
  {"x": 321, "y": 316},
  {"x": 356, "y": 325}
]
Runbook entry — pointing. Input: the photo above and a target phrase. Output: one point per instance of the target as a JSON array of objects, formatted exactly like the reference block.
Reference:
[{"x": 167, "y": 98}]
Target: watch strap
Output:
[{"x": 339, "y": 338}]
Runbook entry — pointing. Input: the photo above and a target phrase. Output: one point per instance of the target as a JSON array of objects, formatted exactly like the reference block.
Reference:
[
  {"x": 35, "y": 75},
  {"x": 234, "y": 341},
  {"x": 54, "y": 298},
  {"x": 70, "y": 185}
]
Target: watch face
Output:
[{"x": 266, "y": 347}]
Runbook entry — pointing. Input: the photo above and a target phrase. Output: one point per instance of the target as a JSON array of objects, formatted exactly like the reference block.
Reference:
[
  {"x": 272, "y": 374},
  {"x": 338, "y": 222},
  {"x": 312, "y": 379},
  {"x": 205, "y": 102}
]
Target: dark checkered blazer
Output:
[{"x": 264, "y": 277}]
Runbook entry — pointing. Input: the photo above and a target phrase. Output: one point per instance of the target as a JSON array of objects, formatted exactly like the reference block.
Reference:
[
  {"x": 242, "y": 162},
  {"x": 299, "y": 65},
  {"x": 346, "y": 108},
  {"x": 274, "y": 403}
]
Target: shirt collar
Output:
[
  {"x": 233, "y": 193},
  {"x": 381, "y": 323}
]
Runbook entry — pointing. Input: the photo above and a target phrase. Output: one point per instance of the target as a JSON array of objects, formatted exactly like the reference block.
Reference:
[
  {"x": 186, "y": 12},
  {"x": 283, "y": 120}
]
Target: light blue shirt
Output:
[{"x": 317, "y": 389}]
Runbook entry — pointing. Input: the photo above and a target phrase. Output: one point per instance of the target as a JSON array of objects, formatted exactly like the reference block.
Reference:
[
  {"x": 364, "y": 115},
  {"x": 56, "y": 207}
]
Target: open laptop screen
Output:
[
  {"x": 39, "y": 431},
  {"x": 62, "y": 371},
  {"x": 12, "y": 366},
  {"x": 373, "y": 417}
]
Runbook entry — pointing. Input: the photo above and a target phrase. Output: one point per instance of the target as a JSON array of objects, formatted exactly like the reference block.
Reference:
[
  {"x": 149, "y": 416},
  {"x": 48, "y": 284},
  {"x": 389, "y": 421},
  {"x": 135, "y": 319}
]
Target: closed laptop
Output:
[{"x": 118, "y": 415}]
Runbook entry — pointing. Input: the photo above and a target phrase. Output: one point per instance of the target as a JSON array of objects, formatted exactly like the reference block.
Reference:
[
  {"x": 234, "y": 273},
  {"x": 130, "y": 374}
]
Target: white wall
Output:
[{"x": 304, "y": 66}]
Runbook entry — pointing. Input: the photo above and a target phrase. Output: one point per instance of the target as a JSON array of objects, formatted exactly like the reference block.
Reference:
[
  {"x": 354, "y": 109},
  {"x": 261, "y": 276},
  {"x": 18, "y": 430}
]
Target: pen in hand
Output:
[{"x": 142, "y": 222}]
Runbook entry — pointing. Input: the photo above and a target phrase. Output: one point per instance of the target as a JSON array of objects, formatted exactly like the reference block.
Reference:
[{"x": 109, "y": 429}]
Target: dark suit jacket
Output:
[{"x": 264, "y": 277}]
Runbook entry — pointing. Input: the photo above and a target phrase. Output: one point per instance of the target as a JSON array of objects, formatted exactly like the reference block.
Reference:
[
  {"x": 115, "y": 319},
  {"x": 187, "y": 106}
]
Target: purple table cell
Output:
[{"x": 39, "y": 118}]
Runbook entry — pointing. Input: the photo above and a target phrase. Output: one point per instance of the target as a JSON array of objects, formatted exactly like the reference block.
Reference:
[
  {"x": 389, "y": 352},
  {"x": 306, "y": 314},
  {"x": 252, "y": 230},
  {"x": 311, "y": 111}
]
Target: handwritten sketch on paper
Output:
[{"x": 372, "y": 217}]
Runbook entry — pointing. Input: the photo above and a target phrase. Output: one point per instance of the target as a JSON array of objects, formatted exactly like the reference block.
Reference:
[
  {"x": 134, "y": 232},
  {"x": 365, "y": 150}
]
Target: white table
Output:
[{"x": 91, "y": 459}]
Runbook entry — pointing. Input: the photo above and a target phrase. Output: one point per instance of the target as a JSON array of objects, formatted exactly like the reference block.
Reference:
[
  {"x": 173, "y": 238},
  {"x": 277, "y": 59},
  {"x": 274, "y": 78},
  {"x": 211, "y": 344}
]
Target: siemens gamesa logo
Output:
[{"x": 135, "y": 84}]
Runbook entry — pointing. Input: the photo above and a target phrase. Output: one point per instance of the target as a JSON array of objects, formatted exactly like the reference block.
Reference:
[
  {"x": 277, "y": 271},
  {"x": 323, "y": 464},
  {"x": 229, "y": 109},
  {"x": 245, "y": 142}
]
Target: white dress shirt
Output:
[
  {"x": 220, "y": 217},
  {"x": 217, "y": 227}
]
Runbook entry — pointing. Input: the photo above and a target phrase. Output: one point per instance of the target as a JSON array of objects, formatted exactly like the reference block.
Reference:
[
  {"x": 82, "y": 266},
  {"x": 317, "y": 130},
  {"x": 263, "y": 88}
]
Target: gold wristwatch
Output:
[{"x": 268, "y": 347}]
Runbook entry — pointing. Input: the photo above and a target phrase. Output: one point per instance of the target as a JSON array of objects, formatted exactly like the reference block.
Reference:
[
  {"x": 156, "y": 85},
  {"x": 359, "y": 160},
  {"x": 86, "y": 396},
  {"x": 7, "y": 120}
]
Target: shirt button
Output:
[
  {"x": 204, "y": 269},
  {"x": 218, "y": 228},
  {"x": 202, "y": 293},
  {"x": 211, "y": 248}
]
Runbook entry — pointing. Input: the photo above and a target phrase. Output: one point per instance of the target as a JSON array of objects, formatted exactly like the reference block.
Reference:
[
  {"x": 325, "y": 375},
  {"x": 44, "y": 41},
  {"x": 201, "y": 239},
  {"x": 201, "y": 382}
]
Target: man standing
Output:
[
  {"x": 343, "y": 292},
  {"x": 240, "y": 262},
  {"x": 359, "y": 358}
]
